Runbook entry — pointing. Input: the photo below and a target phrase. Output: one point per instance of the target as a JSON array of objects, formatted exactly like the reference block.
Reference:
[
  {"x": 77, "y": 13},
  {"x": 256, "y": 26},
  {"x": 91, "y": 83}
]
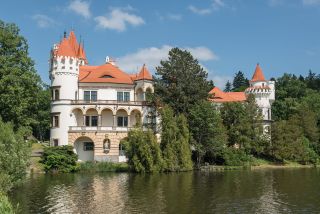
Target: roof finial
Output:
[{"x": 65, "y": 34}]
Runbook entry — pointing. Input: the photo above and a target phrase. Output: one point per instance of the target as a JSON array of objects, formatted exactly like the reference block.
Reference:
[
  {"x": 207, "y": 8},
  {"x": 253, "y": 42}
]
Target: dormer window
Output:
[
  {"x": 71, "y": 61},
  {"x": 106, "y": 76},
  {"x": 63, "y": 60}
]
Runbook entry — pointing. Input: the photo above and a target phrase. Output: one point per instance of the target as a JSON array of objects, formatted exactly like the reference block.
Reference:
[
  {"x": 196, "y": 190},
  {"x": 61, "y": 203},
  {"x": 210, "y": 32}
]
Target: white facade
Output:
[{"x": 94, "y": 116}]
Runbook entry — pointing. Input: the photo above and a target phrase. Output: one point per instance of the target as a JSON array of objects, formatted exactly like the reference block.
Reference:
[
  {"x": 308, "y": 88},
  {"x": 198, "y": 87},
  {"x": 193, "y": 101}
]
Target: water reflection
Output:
[{"x": 259, "y": 191}]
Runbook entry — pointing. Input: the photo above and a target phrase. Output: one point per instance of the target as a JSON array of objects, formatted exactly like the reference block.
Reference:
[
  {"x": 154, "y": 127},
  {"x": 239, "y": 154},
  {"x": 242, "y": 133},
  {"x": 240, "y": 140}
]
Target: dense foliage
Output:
[
  {"x": 295, "y": 133},
  {"x": 59, "y": 159},
  {"x": 175, "y": 141},
  {"x": 209, "y": 135},
  {"x": 14, "y": 156},
  {"x": 240, "y": 83},
  {"x": 143, "y": 151},
  {"x": 5, "y": 205},
  {"x": 145, "y": 154},
  {"x": 180, "y": 81},
  {"x": 23, "y": 100}
]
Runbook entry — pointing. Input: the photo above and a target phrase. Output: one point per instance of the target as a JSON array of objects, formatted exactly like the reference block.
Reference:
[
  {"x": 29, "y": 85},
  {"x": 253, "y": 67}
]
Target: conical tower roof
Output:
[
  {"x": 258, "y": 75},
  {"x": 144, "y": 74}
]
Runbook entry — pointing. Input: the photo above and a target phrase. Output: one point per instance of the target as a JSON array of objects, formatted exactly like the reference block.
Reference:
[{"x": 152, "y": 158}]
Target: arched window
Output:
[{"x": 106, "y": 145}]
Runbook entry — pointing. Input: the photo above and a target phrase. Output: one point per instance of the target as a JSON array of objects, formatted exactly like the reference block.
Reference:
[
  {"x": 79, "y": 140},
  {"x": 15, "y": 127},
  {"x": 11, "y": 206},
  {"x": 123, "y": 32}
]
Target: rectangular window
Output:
[
  {"x": 88, "y": 146},
  {"x": 120, "y": 96},
  {"x": 90, "y": 95},
  {"x": 122, "y": 121},
  {"x": 56, "y": 94},
  {"x": 86, "y": 96},
  {"x": 94, "y": 120},
  {"x": 87, "y": 120},
  {"x": 55, "y": 142},
  {"x": 91, "y": 120},
  {"x": 126, "y": 96},
  {"x": 55, "y": 121},
  {"x": 93, "y": 96},
  {"x": 123, "y": 96}
]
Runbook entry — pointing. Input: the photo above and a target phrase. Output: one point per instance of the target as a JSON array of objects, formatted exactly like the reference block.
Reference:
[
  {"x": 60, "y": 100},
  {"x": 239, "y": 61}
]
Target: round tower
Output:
[
  {"x": 65, "y": 60},
  {"x": 262, "y": 92}
]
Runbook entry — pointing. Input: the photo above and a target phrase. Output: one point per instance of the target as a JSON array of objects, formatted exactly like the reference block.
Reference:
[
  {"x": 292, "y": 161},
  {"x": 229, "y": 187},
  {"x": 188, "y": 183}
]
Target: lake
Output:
[{"x": 240, "y": 191}]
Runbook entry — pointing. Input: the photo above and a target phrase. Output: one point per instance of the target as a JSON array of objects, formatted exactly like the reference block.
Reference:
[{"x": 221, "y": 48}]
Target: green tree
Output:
[
  {"x": 175, "y": 141},
  {"x": 228, "y": 87},
  {"x": 209, "y": 134},
  {"x": 14, "y": 156},
  {"x": 19, "y": 82},
  {"x": 180, "y": 81},
  {"x": 143, "y": 151},
  {"x": 240, "y": 83},
  {"x": 244, "y": 126},
  {"x": 41, "y": 126},
  {"x": 289, "y": 143}
]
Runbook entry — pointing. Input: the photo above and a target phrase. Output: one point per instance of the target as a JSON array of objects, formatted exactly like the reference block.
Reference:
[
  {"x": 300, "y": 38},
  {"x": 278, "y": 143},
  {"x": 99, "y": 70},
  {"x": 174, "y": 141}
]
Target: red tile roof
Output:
[
  {"x": 144, "y": 74},
  {"x": 106, "y": 73},
  {"x": 70, "y": 47},
  {"x": 222, "y": 97},
  {"x": 258, "y": 75}
]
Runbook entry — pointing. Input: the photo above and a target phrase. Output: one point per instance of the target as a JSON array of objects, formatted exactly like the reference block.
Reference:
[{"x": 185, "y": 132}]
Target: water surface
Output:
[{"x": 243, "y": 191}]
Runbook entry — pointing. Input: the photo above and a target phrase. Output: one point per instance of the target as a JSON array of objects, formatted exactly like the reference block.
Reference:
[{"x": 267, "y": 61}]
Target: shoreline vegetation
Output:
[{"x": 194, "y": 132}]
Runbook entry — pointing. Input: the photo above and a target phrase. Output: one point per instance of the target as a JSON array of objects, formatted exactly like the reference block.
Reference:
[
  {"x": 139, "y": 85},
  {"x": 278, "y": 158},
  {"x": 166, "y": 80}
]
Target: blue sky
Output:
[{"x": 225, "y": 35}]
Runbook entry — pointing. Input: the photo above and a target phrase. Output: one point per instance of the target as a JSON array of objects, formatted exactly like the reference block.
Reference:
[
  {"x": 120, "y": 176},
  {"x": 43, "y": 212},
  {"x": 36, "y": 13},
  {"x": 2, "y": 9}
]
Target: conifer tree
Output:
[
  {"x": 228, "y": 87},
  {"x": 180, "y": 81},
  {"x": 240, "y": 83}
]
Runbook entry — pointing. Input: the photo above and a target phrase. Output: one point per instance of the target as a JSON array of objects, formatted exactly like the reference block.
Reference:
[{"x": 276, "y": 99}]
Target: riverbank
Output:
[{"x": 262, "y": 164}]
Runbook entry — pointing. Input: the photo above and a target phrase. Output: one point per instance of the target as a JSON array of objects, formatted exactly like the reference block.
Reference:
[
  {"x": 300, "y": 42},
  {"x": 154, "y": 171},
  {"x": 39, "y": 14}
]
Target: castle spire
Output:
[{"x": 258, "y": 74}]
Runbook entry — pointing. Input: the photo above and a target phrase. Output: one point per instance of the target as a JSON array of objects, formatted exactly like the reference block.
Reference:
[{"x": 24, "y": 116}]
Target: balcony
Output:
[
  {"x": 108, "y": 102},
  {"x": 97, "y": 128}
]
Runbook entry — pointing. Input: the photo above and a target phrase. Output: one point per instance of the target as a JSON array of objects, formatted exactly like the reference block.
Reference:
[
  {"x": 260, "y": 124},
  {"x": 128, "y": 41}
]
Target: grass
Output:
[
  {"x": 35, "y": 166},
  {"x": 258, "y": 163},
  {"x": 37, "y": 146},
  {"x": 103, "y": 167},
  {"x": 5, "y": 205}
]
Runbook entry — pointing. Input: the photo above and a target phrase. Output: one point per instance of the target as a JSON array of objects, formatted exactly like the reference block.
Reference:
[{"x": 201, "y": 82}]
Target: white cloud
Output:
[
  {"x": 219, "y": 80},
  {"x": 118, "y": 19},
  {"x": 200, "y": 11},
  {"x": 311, "y": 2},
  {"x": 170, "y": 16},
  {"x": 152, "y": 56},
  {"x": 215, "y": 5},
  {"x": 80, "y": 7},
  {"x": 44, "y": 21}
]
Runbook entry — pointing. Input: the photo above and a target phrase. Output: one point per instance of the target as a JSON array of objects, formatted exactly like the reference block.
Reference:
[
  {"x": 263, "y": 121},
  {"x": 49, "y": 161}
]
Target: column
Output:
[
  {"x": 99, "y": 120},
  {"x": 84, "y": 120},
  {"x": 114, "y": 122},
  {"x": 129, "y": 125}
]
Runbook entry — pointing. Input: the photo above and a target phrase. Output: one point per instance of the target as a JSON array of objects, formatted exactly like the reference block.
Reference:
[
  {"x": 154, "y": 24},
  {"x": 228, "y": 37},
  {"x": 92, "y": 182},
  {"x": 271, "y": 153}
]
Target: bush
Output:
[
  {"x": 236, "y": 157},
  {"x": 14, "y": 156},
  {"x": 143, "y": 151},
  {"x": 59, "y": 159},
  {"x": 103, "y": 167},
  {"x": 5, "y": 205}
]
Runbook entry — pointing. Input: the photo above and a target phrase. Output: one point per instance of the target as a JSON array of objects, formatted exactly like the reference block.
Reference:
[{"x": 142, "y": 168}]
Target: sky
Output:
[{"x": 224, "y": 35}]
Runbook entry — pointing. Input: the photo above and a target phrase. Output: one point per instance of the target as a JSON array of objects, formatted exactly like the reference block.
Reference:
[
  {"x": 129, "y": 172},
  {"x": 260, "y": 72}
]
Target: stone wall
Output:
[{"x": 98, "y": 139}]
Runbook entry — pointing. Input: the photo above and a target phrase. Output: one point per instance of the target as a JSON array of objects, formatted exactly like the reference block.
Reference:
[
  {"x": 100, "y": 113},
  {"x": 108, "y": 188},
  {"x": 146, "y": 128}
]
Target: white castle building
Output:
[
  {"x": 263, "y": 90},
  {"x": 93, "y": 107}
]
